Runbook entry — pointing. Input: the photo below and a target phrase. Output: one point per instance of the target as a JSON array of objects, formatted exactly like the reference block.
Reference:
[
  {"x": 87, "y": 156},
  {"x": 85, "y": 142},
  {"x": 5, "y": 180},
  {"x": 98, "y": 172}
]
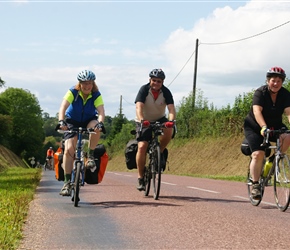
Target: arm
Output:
[
  {"x": 101, "y": 113},
  {"x": 287, "y": 113},
  {"x": 63, "y": 107},
  {"x": 139, "y": 111},
  {"x": 172, "y": 112},
  {"x": 257, "y": 110}
]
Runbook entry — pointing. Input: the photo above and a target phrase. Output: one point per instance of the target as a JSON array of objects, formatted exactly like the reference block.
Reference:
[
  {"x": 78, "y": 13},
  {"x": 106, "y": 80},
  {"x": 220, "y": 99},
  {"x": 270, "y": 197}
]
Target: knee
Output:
[{"x": 258, "y": 155}]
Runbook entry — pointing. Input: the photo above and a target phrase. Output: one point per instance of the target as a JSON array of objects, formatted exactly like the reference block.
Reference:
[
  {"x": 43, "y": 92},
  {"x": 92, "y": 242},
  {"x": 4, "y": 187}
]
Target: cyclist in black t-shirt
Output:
[{"x": 269, "y": 103}]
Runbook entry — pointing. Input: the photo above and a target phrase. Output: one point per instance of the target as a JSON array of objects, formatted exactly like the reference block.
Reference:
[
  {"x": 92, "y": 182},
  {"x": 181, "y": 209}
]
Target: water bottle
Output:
[{"x": 268, "y": 165}]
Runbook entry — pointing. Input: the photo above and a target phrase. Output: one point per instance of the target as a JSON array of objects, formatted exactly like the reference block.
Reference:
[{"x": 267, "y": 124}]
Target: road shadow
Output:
[
  {"x": 122, "y": 204},
  {"x": 198, "y": 199}
]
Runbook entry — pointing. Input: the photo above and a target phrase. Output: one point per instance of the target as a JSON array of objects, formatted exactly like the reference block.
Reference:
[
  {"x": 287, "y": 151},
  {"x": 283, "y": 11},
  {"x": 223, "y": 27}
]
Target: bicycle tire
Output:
[
  {"x": 156, "y": 172},
  {"x": 77, "y": 184},
  {"x": 254, "y": 202},
  {"x": 282, "y": 182},
  {"x": 147, "y": 180}
]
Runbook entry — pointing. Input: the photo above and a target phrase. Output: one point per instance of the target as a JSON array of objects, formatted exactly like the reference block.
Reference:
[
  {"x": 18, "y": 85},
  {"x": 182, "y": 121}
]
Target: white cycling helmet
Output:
[{"x": 86, "y": 75}]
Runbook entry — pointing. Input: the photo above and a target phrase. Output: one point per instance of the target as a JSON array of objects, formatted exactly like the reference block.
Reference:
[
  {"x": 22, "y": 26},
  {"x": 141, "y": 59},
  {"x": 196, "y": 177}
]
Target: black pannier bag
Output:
[
  {"x": 130, "y": 154},
  {"x": 245, "y": 148},
  {"x": 94, "y": 175}
]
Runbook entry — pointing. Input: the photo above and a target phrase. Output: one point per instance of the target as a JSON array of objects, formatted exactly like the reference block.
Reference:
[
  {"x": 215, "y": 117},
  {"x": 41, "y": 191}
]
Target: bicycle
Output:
[
  {"x": 280, "y": 170},
  {"x": 153, "y": 169},
  {"x": 47, "y": 164},
  {"x": 78, "y": 173}
]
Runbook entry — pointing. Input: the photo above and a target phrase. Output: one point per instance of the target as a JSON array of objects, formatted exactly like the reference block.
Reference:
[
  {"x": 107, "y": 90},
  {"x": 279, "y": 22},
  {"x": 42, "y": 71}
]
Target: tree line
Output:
[{"x": 28, "y": 131}]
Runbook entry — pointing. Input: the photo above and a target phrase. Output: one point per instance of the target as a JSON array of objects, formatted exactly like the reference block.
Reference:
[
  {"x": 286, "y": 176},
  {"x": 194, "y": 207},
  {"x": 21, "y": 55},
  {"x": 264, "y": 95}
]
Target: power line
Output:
[
  {"x": 221, "y": 43},
  {"x": 239, "y": 40}
]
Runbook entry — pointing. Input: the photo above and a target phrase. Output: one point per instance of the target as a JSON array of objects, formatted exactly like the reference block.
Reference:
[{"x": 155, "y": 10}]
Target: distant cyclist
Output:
[
  {"x": 270, "y": 102},
  {"x": 82, "y": 106},
  {"x": 151, "y": 102},
  {"x": 49, "y": 156}
]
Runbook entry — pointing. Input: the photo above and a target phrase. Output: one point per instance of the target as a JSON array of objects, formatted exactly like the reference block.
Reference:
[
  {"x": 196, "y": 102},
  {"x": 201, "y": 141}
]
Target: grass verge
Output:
[{"x": 17, "y": 187}]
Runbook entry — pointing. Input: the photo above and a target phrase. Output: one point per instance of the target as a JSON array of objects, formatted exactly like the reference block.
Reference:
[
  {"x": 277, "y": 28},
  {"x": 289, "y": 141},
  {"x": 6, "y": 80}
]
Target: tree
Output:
[
  {"x": 27, "y": 135},
  {"x": 2, "y": 83}
]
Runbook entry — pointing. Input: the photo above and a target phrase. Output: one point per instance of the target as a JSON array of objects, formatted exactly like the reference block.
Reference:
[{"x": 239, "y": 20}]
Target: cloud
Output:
[{"x": 225, "y": 68}]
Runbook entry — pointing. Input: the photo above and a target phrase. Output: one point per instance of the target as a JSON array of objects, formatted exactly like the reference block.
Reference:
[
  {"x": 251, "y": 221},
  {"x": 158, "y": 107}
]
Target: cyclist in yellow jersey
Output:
[{"x": 82, "y": 106}]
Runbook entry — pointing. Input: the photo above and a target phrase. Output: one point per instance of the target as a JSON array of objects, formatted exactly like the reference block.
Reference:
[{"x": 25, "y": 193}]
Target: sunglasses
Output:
[{"x": 155, "y": 80}]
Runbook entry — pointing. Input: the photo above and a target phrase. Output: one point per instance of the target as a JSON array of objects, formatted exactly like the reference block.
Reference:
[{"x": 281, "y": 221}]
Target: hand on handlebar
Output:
[
  {"x": 169, "y": 124},
  {"x": 146, "y": 123},
  {"x": 100, "y": 126},
  {"x": 263, "y": 131},
  {"x": 62, "y": 125}
]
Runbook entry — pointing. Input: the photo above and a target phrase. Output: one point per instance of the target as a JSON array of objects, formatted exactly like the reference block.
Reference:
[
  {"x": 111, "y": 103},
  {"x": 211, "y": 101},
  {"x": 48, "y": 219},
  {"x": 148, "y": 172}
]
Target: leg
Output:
[
  {"x": 68, "y": 158},
  {"x": 141, "y": 161},
  {"x": 94, "y": 138},
  {"x": 165, "y": 138},
  {"x": 255, "y": 172},
  {"x": 285, "y": 142},
  {"x": 256, "y": 164}
]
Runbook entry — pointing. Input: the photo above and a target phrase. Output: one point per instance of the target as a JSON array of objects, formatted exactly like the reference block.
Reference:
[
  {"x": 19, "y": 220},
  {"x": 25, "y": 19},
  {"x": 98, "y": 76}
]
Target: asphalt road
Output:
[{"x": 191, "y": 213}]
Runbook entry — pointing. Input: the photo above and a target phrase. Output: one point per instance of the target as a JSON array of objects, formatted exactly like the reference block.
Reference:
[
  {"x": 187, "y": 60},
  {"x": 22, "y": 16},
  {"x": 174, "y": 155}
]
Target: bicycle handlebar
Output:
[
  {"x": 276, "y": 132},
  {"x": 78, "y": 130}
]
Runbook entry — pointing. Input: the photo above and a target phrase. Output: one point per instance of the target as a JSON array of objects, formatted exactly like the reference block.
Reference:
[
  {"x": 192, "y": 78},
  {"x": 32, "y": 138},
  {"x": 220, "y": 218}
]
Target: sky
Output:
[{"x": 45, "y": 44}]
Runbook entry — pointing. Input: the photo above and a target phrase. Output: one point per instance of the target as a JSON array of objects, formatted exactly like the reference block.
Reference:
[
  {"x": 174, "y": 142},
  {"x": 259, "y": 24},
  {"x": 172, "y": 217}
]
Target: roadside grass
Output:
[{"x": 17, "y": 187}]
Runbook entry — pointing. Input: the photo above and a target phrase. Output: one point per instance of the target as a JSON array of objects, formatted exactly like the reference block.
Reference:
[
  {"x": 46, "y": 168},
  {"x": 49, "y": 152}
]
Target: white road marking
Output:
[
  {"x": 168, "y": 183},
  {"x": 205, "y": 190}
]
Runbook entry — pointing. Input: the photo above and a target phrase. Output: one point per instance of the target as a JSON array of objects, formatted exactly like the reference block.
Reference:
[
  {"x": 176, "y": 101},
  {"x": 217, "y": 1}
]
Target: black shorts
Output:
[
  {"x": 146, "y": 133},
  {"x": 74, "y": 124},
  {"x": 255, "y": 139}
]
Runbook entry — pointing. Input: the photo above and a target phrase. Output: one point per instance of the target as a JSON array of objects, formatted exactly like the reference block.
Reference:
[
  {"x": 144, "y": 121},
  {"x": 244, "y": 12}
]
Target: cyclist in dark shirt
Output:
[
  {"x": 269, "y": 103},
  {"x": 151, "y": 102}
]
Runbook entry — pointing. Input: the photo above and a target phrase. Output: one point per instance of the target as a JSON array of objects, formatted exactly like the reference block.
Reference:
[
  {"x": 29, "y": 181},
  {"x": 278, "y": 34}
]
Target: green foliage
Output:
[
  {"x": 27, "y": 133},
  {"x": 17, "y": 186},
  {"x": 2, "y": 83},
  {"x": 120, "y": 140},
  {"x": 116, "y": 127},
  {"x": 6, "y": 128}
]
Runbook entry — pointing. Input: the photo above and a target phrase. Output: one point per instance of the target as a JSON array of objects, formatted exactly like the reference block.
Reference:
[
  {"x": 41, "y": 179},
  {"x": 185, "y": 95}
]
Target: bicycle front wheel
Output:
[
  {"x": 156, "y": 172},
  {"x": 77, "y": 184},
  {"x": 282, "y": 182}
]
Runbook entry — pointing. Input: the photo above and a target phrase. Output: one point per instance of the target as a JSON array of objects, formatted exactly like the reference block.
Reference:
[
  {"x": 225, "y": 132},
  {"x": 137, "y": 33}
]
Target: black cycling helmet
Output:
[
  {"x": 276, "y": 71},
  {"x": 158, "y": 73}
]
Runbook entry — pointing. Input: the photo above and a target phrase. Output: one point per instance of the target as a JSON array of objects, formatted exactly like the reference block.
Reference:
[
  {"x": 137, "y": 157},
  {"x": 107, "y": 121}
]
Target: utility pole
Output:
[
  {"x": 195, "y": 74},
  {"x": 120, "y": 111}
]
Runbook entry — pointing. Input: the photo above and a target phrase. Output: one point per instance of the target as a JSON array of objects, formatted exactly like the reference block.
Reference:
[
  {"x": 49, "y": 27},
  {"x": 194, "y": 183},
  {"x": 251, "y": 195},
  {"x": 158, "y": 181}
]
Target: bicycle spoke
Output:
[{"x": 282, "y": 183}]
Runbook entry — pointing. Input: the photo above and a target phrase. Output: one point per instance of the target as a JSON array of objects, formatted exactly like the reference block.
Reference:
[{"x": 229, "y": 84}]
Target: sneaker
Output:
[
  {"x": 66, "y": 189},
  {"x": 91, "y": 162},
  {"x": 141, "y": 184},
  {"x": 256, "y": 191}
]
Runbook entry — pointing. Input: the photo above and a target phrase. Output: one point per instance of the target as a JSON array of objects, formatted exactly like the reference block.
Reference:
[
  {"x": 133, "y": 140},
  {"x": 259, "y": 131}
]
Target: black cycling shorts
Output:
[{"x": 146, "y": 133}]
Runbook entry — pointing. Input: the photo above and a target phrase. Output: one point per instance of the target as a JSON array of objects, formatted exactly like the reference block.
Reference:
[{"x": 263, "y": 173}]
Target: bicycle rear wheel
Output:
[
  {"x": 254, "y": 202},
  {"x": 282, "y": 183},
  {"x": 76, "y": 198},
  {"x": 156, "y": 172}
]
